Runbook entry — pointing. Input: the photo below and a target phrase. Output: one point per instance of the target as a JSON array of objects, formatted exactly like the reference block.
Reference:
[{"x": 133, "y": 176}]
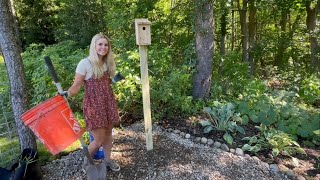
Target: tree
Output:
[
  {"x": 283, "y": 41},
  {"x": 204, "y": 25},
  {"x": 244, "y": 29},
  {"x": 37, "y": 21},
  {"x": 81, "y": 20},
  {"x": 312, "y": 11},
  {"x": 223, "y": 22},
  {"x": 232, "y": 26},
  {"x": 9, "y": 43},
  {"x": 252, "y": 33}
]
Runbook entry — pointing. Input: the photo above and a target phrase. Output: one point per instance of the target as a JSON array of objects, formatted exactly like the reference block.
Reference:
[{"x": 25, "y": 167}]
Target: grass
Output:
[
  {"x": 10, "y": 151},
  {"x": 3, "y": 77},
  {"x": 45, "y": 156}
]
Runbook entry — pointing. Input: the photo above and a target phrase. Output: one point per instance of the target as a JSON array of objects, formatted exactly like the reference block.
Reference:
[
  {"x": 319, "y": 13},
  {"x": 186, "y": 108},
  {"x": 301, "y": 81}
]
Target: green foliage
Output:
[
  {"x": 280, "y": 110},
  {"x": 4, "y": 84},
  {"x": 89, "y": 21},
  {"x": 64, "y": 57},
  {"x": 222, "y": 118},
  {"x": 172, "y": 33},
  {"x": 270, "y": 138},
  {"x": 170, "y": 95},
  {"x": 6, "y": 114},
  {"x": 310, "y": 89},
  {"x": 230, "y": 77},
  {"x": 9, "y": 148},
  {"x": 232, "y": 80},
  {"x": 37, "y": 21},
  {"x": 128, "y": 95},
  {"x": 259, "y": 110}
]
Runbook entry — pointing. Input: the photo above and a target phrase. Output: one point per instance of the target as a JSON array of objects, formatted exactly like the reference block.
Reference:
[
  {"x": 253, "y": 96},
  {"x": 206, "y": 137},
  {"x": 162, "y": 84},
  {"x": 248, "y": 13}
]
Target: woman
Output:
[{"x": 100, "y": 108}]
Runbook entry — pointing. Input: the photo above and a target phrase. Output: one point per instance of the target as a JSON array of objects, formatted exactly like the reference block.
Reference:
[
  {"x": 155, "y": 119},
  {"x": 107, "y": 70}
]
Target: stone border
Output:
[{"x": 274, "y": 169}]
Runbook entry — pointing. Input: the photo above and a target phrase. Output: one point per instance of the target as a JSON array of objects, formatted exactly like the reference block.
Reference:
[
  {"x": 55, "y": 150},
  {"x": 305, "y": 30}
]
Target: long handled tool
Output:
[{"x": 93, "y": 171}]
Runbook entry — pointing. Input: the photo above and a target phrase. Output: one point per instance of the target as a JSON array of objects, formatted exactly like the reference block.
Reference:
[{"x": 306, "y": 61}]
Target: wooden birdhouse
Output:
[{"x": 143, "y": 32}]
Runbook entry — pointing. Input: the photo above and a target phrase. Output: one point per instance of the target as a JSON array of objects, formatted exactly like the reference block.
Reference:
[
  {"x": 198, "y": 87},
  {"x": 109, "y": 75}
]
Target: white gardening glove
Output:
[{"x": 65, "y": 94}]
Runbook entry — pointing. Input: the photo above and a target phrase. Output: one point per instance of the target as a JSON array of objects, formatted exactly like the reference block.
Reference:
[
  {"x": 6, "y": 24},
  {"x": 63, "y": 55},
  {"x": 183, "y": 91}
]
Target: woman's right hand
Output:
[{"x": 64, "y": 93}]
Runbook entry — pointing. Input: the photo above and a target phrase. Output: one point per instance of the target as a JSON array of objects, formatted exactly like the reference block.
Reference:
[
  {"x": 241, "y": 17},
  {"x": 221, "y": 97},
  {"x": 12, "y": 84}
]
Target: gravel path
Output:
[{"x": 173, "y": 157}]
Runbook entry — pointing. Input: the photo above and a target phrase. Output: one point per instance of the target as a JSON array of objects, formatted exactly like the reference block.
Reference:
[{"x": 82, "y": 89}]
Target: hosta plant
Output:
[
  {"x": 222, "y": 118},
  {"x": 270, "y": 138}
]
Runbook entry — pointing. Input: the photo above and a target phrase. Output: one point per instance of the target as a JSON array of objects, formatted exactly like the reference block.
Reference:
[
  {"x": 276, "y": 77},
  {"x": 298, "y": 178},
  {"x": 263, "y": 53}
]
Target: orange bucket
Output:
[{"x": 54, "y": 124}]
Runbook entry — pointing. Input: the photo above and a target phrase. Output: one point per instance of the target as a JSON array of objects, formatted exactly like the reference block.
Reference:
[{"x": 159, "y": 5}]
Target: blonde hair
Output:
[{"x": 97, "y": 69}]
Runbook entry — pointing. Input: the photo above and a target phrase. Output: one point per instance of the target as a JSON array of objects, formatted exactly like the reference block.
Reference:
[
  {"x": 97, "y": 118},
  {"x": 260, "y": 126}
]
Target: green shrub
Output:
[
  {"x": 171, "y": 95},
  {"x": 40, "y": 85},
  {"x": 129, "y": 96},
  {"x": 310, "y": 90},
  {"x": 170, "y": 88},
  {"x": 230, "y": 78}
]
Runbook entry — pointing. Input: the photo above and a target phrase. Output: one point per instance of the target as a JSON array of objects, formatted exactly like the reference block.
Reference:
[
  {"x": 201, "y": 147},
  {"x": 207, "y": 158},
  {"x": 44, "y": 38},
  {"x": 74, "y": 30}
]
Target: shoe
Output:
[{"x": 113, "y": 165}]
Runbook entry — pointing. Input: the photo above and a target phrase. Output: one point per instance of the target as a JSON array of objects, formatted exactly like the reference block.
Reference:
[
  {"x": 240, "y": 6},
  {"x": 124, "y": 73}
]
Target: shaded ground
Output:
[{"x": 172, "y": 158}]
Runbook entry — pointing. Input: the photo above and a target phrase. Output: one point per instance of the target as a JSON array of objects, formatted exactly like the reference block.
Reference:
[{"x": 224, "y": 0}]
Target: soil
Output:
[
  {"x": 308, "y": 166},
  {"x": 172, "y": 158}
]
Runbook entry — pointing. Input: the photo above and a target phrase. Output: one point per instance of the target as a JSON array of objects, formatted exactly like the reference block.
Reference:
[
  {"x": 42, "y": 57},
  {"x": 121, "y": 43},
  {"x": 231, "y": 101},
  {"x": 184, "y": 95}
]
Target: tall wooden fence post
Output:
[{"x": 143, "y": 38}]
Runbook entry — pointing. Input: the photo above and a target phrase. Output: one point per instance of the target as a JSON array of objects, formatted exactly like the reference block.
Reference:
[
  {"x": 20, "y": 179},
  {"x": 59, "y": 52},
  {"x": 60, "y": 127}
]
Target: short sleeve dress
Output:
[{"x": 99, "y": 104}]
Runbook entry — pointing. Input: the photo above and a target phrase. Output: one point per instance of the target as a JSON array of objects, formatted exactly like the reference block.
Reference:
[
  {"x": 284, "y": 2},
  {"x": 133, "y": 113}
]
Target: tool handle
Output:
[
  {"x": 51, "y": 69},
  {"x": 53, "y": 73}
]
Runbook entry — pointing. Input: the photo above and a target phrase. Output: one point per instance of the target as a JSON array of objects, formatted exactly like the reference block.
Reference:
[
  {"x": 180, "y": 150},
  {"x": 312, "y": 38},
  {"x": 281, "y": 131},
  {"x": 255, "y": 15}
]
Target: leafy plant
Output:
[
  {"x": 64, "y": 57},
  {"x": 222, "y": 118},
  {"x": 270, "y": 138},
  {"x": 309, "y": 90},
  {"x": 171, "y": 94},
  {"x": 279, "y": 109}
]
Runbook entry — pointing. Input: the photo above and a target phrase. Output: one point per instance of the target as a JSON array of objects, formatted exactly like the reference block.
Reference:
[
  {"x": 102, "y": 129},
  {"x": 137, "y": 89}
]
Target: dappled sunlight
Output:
[
  {"x": 202, "y": 171},
  {"x": 124, "y": 153},
  {"x": 122, "y": 150}
]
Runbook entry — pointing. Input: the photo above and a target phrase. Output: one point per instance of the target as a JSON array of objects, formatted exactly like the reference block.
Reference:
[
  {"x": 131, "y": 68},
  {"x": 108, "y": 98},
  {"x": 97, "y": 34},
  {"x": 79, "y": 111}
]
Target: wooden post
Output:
[{"x": 143, "y": 38}]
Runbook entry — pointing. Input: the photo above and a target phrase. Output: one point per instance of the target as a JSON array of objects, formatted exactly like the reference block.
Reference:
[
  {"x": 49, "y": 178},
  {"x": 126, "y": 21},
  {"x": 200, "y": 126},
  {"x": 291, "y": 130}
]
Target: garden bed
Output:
[{"x": 307, "y": 165}]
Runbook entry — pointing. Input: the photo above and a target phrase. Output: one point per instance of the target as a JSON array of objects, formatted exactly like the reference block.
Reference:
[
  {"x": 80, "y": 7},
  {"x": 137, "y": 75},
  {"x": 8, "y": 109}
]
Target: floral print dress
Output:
[{"x": 100, "y": 106}]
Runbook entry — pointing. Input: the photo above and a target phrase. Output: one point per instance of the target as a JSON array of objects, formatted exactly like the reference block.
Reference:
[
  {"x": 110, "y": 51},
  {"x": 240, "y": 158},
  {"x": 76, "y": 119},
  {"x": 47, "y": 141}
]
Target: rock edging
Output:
[{"x": 275, "y": 171}]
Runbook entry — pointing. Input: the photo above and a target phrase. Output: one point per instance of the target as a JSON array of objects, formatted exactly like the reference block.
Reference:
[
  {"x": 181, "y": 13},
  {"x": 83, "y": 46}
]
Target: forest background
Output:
[{"x": 237, "y": 63}]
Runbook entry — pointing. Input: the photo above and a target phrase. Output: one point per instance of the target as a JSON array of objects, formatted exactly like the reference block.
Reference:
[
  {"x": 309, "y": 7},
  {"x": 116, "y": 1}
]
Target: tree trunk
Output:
[
  {"x": 223, "y": 22},
  {"x": 311, "y": 25},
  {"x": 204, "y": 25},
  {"x": 283, "y": 40},
  {"x": 252, "y": 34},
  {"x": 232, "y": 27},
  {"x": 244, "y": 30},
  {"x": 9, "y": 43}
]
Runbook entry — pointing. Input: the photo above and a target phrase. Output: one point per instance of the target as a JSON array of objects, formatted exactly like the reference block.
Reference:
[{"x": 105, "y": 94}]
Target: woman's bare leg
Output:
[
  {"x": 107, "y": 146},
  {"x": 99, "y": 138},
  {"x": 107, "y": 142}
]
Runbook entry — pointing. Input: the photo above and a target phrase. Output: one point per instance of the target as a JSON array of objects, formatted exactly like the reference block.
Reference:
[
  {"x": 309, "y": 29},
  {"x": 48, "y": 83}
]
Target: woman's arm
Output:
[{"x": 76, "y": 86}]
